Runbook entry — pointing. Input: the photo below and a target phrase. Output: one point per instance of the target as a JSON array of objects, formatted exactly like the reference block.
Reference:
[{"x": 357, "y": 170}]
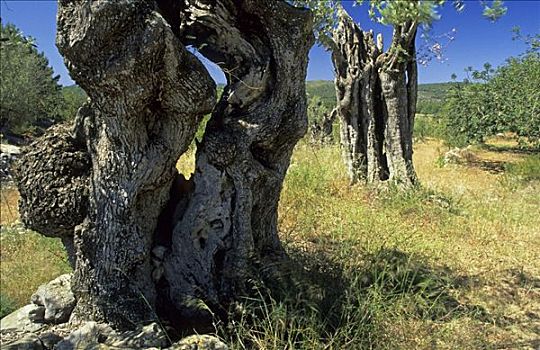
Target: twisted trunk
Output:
[
  {"x": 147, "y": 240},
  {"x": 376, "y": 102},
  {"x": 147, "y": 95},
  {"x": 229, "y": 228}
]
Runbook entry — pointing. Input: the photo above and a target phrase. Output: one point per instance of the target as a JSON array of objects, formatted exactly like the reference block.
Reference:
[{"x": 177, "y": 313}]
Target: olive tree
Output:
[
  {"x": 376, "y": 88},
  {"x": 144, "y": 240}
]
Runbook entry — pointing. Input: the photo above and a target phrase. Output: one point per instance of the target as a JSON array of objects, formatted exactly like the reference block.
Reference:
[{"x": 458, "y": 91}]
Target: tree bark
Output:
[
  {"x": 148, "y": 94},
  {"x": 376, "y": 102},
  {"x": 148, "y": 240},
  {"x": 229, "y": 228}
]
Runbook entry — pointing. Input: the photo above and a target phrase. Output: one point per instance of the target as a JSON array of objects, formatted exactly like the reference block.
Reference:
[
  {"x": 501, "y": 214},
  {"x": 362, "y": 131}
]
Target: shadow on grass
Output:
[
  {"x": 491, "y": 166},
  {"x": 318, "y": 300},
  {"x": 510, "y": 149}
]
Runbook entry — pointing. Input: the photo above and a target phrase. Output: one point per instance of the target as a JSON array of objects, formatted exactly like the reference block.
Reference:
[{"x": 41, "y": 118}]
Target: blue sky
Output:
[{"x": 477, "y": 40}]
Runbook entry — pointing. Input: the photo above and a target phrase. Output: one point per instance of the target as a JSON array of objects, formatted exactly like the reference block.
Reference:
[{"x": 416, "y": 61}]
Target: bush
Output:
[
  {"x": 428, "y": 126},
  {"x": 526, "y": 170},
  {"x": 7, "y": 306},
  {"x": 496, "y": 101}
]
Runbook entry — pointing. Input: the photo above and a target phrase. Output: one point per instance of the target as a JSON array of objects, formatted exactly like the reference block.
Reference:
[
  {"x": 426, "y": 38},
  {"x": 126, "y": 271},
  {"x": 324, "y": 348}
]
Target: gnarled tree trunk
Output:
[
  {"x": 148, "y": 240},
  {"x": 229, "y": 227},
  {"x": 148, "y": 94},
  {"x": 376, "y": 102}
]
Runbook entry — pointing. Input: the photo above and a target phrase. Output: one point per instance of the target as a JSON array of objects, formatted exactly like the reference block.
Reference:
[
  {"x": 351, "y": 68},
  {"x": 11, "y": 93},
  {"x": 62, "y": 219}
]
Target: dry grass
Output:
[
  {"x": 8, "y": 205},
  {"x": 452, "y": 265}
]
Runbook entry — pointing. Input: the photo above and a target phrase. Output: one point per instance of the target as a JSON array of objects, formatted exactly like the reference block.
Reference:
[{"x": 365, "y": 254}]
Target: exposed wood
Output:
[
  {"x": 376, "y": 96},
  {"x": 228, "y": 232}
]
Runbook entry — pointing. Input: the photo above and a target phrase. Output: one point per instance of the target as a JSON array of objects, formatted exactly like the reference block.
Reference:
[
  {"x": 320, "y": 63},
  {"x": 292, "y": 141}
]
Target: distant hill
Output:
[
  {"x": 430, "y": 96},
  {"x": 435, "y": 91},
  {"x": 324, "y": 89}
]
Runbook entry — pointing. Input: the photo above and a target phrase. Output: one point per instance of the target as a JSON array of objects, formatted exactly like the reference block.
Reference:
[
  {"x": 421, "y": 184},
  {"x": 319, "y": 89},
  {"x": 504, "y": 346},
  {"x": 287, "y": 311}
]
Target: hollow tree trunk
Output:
[
  {"x": 229, "y": 228},
  {"x": 376, "y": 102},
  {"x": 147, "y": 94}
]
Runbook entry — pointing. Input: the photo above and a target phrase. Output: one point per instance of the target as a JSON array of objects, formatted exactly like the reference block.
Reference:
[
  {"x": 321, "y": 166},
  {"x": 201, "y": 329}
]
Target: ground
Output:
[{"x": 454, "y": 264}]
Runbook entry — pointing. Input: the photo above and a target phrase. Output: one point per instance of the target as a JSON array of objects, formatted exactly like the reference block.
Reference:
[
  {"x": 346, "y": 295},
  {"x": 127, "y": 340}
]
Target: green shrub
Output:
[
  {"x": 7, "y": 306},
  {"x": 426, "y": 126},
  {"x": 495, "y": 101},
  {"x": 526, "y": 170}
]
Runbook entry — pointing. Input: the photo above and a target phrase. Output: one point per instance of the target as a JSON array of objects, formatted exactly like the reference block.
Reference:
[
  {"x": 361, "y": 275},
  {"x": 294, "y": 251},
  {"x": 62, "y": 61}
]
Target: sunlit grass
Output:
[{"x": 453, "y": 264}]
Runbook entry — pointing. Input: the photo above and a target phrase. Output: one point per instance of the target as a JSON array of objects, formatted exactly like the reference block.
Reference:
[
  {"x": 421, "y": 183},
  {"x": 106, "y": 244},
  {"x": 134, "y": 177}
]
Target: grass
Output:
[{"x": 451, "y": 265}]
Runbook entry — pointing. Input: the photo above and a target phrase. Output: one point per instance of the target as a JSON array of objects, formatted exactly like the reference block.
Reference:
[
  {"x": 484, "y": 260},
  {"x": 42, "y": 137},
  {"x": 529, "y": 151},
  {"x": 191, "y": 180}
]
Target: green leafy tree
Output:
[
  {"x": 494, "y": 101},
  {"x": 73, "y": 97},
  {"x": 377, "y": 89},
  {"x": 28, "y": 89}
]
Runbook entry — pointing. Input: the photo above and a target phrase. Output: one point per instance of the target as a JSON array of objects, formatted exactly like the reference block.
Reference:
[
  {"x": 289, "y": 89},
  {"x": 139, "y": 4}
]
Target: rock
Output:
[
  {"x": 29, "y": 342},
  {"x": 10, "y": 149},
  {"x": 57, "y": 298},
  {"x": 149, "y": 336},
  {"x": 94, "y": 335},
  {"x": 459, "y": 156},
  {"x": 8, "y": 155},
  {"x": 200, "y": 342},
  {"x": 49, "y": 339},
  {"x": 90, "y": 336},
  {"x": 37, "y": 315},
  {"x": 20, "y": 320}
]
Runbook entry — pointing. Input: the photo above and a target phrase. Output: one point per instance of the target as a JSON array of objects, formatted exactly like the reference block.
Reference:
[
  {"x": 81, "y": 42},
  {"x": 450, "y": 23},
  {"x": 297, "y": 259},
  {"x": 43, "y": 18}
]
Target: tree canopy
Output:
[
  {"x": 390, "y": 12},
  {"x": 28, "y": 88},
  {"x": 506, "y": 99}
]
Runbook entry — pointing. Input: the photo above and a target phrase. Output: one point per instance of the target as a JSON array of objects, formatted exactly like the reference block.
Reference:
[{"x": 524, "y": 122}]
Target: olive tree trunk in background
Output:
[
  {"x": 376, "y": 101},
  {"x": 145, "y": 239}
]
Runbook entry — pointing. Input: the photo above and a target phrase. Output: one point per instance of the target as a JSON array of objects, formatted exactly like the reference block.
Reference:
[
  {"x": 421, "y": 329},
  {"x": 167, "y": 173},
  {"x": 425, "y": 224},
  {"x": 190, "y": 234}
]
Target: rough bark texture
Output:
[
  {"x": 147, "y": 95},
  {"x": 145, "y": 238},
  {"x": 376, "y": 102},
  {"x": 229, "y": 228},
  {"x": 53, "y": 181}
]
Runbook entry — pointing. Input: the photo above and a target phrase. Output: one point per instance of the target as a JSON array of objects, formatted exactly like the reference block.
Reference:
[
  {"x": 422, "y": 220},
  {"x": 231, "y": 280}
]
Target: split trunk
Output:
[
  {"x": 150, "y": 243},
  {"x": 376, "y": 101}
]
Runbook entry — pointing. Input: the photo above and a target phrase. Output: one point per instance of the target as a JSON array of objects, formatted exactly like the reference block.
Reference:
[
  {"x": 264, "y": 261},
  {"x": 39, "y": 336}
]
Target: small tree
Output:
[
  {"x": 376, "y": 89},
  {"x": 494, "y": 101},
  {"x": 320, "y": 120},
  {"x": 28, "y": 89},
  {"x": 73, "y": 97}
]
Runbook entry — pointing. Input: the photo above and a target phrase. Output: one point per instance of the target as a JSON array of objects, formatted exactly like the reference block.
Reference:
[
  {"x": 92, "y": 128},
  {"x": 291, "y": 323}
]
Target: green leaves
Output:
[
  {"x": 28, "y": 90},
  {"x": 503, "y": 100},
  {"x": 495, "y": 10}
]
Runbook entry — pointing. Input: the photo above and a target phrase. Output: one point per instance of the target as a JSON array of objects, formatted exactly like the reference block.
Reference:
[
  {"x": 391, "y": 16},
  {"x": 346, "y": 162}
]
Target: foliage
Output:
[
  {"x": 428, "y": 107},
  {"x": 73, "y": 97},
  {"x": 389, "y": 12},
  {"x": 28, "y": 90},
  {"x": 7, "y": 306},
  {"x": 324, "y": 90},
  {"x": 526, "y": 170},
  {"x": 428, "y": 126},
  {"x": 496, "y": 101},
  {"x": 316, "y": 110}
]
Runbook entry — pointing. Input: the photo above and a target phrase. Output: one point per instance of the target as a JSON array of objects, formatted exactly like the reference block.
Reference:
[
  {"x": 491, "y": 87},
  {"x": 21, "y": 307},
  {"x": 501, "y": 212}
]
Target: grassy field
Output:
[{"x": 452, "y": 265}]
